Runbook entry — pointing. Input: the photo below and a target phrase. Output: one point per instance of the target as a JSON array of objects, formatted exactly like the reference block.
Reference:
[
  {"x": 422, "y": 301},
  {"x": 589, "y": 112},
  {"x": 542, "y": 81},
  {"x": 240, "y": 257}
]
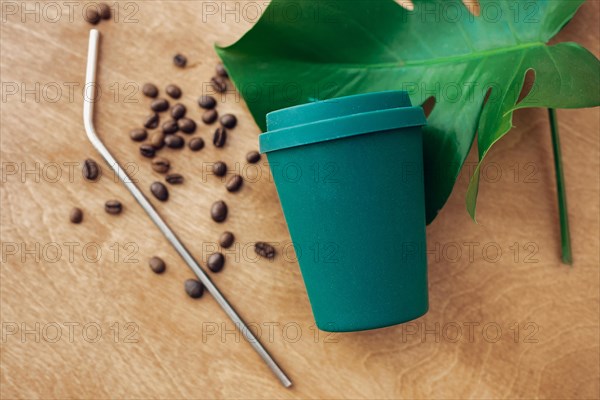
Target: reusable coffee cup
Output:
[{"x": 349, "y": 175}]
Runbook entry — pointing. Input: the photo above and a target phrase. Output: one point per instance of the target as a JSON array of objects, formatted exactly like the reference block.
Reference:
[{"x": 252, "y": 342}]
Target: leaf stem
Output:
[{"x": 565, "y": 236}]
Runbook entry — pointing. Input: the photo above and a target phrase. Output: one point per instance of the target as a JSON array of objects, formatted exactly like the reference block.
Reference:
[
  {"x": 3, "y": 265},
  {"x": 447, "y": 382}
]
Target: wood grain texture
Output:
[{"x": 554, "y": 309}]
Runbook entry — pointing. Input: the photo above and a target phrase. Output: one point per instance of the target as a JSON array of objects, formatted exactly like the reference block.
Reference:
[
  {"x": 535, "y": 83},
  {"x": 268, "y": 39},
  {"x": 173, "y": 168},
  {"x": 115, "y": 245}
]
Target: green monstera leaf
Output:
[{"x": 306, "y": 50}]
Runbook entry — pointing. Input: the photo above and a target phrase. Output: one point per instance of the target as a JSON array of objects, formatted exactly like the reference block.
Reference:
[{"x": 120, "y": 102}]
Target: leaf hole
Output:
[
  {"x": 428, "y": 106},
  {"x": 527, "y": 84},
  {"x": 487, "y": 96}
]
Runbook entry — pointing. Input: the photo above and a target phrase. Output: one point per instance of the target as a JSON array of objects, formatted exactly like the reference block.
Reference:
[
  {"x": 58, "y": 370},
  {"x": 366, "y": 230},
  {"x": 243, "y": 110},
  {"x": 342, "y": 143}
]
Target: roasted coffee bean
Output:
[
  {"x": 91, "y": 15},
  {"x": 187, "y": 125},
  {"x": 104, "y": 11},
  {"x": 207, "y": 102},
  {"x": 178, "y": 111},
  {"x": 229, "y": 121},
  {"x": 147, "y": 150},
  {"x": 151, "y": 121},
  {"x": 138, "y": 134},
  {"x": 159, "y": 105},
  {"x": 234, "y": 183},
  {"x": 253, "y": 157},
  {"x": 113, "y": 207},
  {"x": 219, "y": 84},
  {"x": 196, "y": 144},
  {"x": 174, "y": 179},
  {"x": 174, "y": 91},
  {"x": 226, "y": 239},
  {"x": 150, "y": 90},
  {"x": 220, "y": 137},
  {"x": 210, "y": 116},
  {"x": 157, "y": 265},
  {"x": 170, "y": 127},
  {"x": 264, "y": 249},
  {"x": 90, "y": 170},
  {"x": 221, "y": 71},
  {"x": 76, "y": 215},
  {"x": 157, "y": 140},
  {"x": 159, "y": 191},
  {"x": 218, "y": 211},
  {"x": 174, "y": 141},
  {"x": 161, "y": 165},
  {"x": 219, "y": 168},
  {"x": 180, "y": 60},
  {"x": 194, "y": 288},
  {"x": 215, "y": 262}
]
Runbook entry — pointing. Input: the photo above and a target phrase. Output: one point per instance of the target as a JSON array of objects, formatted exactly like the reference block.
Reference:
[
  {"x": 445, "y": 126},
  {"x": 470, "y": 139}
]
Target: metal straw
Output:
[{"x": 88, "y": 114}]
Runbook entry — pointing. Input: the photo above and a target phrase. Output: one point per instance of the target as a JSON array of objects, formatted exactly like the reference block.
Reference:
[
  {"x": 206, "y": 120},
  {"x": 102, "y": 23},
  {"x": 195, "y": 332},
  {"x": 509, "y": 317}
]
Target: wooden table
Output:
[{"x": 88, "y": 319}]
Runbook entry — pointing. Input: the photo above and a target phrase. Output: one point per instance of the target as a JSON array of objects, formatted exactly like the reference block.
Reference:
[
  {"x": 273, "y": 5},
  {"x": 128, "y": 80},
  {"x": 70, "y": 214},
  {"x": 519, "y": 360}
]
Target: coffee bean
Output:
[
  {"x": 180, "y": 60},
  {"x": 90, "y": 170},
  {"x": 174, "y": 179},
  {"x": 219, "y": 168},
  {"x": 113, "y": 207},
  {"x": 157, "y": 140},
  {"x": 170, "y": 127},
  {"x": 159, "y": 105},
  {"x": 221, "y": 71},
  {"x": 218, "y": 211},
  {"x": 104, "y": 11},
  {"x": 187, "y": 125},
  {"x": 207, "y": 102},
  {"x": 220, "y": 137},
  {"x": 229, "y": 121},
  {"x": 210, "y": 116},
  {"x": 219, "y": 84},
  {"x": 76, "y": 215},
  {"x": 234, "y": 183},
  {"x": 174, "y": 141},
  {"x": 215, "y": 262},
  {"x": 194, "y": 288},
  {"x": 253, "y": 157},
  {"x": 161, "y": 165},
  {"x": 178, "y": 111},
  {"x": 159, "y": 191},
  {"x": 91, "y": 15},
  {"x": 147, "y": 150},
  {"x": 138, "y": 134},
  {"x": 174, "y": 91},
  {"x": 196, "y": 144},
  {"x": 226, "y": 239},
  {"x": 157, "y": 265},
  {"x": 151, "y": 121},
  {"x": 150, "y": 90},
  {"x": 264, "y": 249}
]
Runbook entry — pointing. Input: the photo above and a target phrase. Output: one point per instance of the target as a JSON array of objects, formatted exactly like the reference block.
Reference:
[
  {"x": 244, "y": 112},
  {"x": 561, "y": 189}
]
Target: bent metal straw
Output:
[{"x": 88, "y": 114}]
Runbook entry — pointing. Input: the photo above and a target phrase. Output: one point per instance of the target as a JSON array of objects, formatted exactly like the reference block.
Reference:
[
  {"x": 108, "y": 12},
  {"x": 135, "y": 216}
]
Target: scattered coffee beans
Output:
[
  {"x": 187, "y": 125},
  {"x": 174, "y": 91},
  {"x": 161, "y": 165},
  {"x": 90, "y": 170},
  {"x": 178, "y": 111},
  {"x": 174, "y": 179},
  {"x": 76, "y": 215},
  {"x": 138, "y": 134},
  {"x": 207, "y": 102},
  {"x": 170, "y": 127},
  {"x": 91, "y": 15},
  {"x": 218, "y": 211},
  {"x": 219, "y": 168},
  {"x": 229, "y": 121},
  {"x": 151, "y": 121},
  {"x": 159, "y": 105},
  {"x": 113, "y": 207},
  {"x": 196, "y": 144},
  {"x": 147, "y": 150},
  {"x": 157, "y": 265},
  {"x": 219, "y": 84},
  {"x": 210, "y": 116},
  {"x": 253, "y": 157},
  {"x": 180, "y": 60},
  {"x": 157, "y": 140},
  {"x": 215, "y": 262},
  {"x": 221, "y": 71},
  {"x": 226, "y": 239},
  {"x": 194, "y": 288},
  {"x": 174, "y": 141},
  {"x": 264, "y": 249},
  {"x": 104, "y": 11},
  {"x": 150, "y": 90},
  {"x": 159, "y": 191},
  {"x": 220, "y": 137},
  {"x": 234, "y": 183}
]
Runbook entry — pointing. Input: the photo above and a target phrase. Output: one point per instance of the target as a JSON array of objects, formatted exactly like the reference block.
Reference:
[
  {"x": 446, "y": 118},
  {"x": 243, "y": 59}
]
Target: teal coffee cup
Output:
[{"x": 349, "y": 175}]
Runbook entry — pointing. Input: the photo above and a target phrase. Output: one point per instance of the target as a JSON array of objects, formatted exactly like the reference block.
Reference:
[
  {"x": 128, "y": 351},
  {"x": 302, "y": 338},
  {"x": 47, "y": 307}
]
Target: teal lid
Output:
[{"x": 338, "y": 118}]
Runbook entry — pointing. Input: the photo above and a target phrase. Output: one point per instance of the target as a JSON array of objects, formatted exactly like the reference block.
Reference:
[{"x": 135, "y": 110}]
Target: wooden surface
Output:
[{"x": 167, "y": 350}]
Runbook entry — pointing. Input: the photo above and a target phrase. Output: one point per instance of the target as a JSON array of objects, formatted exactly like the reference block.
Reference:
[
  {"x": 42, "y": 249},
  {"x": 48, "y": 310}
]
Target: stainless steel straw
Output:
[{"x": 88, "y": 114}]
